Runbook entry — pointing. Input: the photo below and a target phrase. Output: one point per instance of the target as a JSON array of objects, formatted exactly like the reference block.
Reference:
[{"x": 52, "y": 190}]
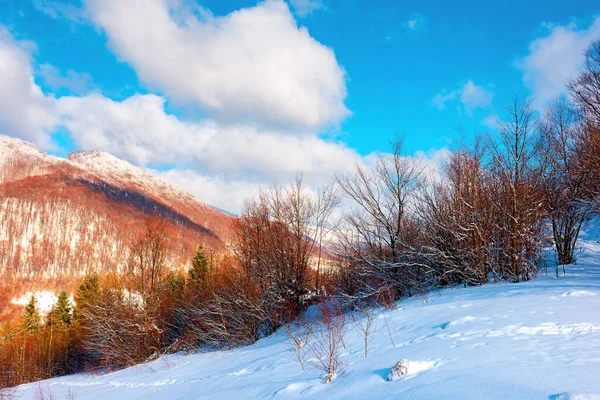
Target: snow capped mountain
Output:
[
  {"x": 68, "y": 216},
  {"x": 20, "y": 159},
  {"x": 110, "y": 169}
]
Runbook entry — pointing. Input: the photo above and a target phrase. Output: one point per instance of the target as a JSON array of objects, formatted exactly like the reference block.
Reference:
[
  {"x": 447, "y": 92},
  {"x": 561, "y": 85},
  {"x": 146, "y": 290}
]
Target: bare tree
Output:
[
  {"x": 146, "y": 268},
  {"x": 326, "y": 201},
  {"x": 299, "y": 335},
  {"x": 328, "y": 341},
  {"x": 364, "y": 324},
  {"x": 380, "y": 234},
  {"x": 566, "y": 176},
  {"x": 519, "y": 207},
  {"x": 457, "y": 218},
  {"x": 277, "y": 237},
  {"x": 585, "y": 89}
]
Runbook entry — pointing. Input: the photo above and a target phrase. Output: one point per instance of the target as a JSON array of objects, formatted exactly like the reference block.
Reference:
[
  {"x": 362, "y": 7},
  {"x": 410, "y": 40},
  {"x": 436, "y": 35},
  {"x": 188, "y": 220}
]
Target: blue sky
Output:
[{"x": 346, "y": 76}]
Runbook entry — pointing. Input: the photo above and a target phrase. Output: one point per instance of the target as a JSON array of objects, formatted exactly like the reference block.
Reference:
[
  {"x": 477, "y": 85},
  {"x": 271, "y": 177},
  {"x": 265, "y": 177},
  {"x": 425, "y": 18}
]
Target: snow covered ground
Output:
[{"x": 535, "y": 340}]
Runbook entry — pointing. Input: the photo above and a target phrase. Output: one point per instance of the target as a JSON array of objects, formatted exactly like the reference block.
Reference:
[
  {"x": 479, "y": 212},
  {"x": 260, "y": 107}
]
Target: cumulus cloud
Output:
[
  {"x": 255, "y": 64},
  {"x": 554, "y": 58},
  {"x": 140, "y": 130},
  {"x": 224, "y": 193},
  {"x": 304, "y": 7},
  {"x": 471, "y": 96},
  {"x": 440, "y": 100},
  {"x": 26, "y": 111},
  {"x": 221, "y": 164},
  {"x": 227, "y": 161},
  {"x": 491, "y": 121}
]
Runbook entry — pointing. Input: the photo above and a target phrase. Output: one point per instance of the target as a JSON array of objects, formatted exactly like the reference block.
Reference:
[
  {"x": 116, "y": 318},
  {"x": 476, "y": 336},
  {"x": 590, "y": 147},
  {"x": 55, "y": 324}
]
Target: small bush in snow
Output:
[{"x": 399, "y": 370}]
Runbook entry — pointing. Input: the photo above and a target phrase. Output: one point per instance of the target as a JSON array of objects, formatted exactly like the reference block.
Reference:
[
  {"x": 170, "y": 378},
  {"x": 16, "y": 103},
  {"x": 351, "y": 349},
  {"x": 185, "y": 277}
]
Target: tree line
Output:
[{"x": 486, "y": 215}]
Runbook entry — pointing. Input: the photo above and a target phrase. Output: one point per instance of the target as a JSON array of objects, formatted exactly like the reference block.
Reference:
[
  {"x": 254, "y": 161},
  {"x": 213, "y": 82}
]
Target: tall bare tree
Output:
[
  {"x": 380, "y": 232},
  {"x": 565, "y": 175},
  {"x": 519, "y": 208},
  {"x": 278, "y": 237},
  {"x": 585, "y": 90},
  {"x": 457, "y": 217},
  {"x": 146, "y": 267}
]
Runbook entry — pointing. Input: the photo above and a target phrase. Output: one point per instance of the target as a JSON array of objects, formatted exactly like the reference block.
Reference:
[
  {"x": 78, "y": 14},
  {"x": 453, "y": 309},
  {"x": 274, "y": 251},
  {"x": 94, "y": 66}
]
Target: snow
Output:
[
  {"x": 45, "y": 300},
  {"x": 19, "y": 159},
  {"x": 533, "y": 340},
  {"x": 12, "y": 147}
]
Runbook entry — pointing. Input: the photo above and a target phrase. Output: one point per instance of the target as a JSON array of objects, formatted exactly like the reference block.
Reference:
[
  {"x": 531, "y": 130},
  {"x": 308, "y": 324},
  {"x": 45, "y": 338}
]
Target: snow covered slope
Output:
[
  {"x": 59, "y": 216},
  {"x": 536, "y": 340},
  {"x": 19, "y": 159}
]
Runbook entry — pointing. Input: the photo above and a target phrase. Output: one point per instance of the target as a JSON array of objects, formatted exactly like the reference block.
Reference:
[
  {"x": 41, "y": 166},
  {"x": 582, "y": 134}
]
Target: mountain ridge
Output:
[{"x": 65, "y": 217}]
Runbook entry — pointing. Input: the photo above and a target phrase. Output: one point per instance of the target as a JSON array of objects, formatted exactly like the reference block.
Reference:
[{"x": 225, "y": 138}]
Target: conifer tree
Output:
[
  {"x": 86, "y": 294},
  {"x": 31, "y": 315},
  {"x": 175, "y": 282},
  {"x": 60, "y": 315},
  {"x": 200, "y": 268}
]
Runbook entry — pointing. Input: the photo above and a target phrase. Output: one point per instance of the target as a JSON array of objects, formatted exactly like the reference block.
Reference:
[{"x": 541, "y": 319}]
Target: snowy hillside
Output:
[
  {"x": 62, "y": 216},
  {"x": 110, "y": 169},
  {"x": 19, "y": 159},
  {"x": 535, "y": 340}
]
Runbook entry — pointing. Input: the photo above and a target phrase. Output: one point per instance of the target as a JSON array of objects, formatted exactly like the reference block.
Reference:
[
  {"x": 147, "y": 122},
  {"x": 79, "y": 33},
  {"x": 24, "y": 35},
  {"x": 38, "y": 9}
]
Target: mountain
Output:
[{"x": 63, "y": 217}]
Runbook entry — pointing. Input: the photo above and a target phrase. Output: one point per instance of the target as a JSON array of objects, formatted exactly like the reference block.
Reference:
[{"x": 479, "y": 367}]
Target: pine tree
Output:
[
  {"x": 31, "y": 315},
  {"x": 200, "y": 268},
  {"x": 86, "y": 294},
  {"x": 60, "y": 315}
]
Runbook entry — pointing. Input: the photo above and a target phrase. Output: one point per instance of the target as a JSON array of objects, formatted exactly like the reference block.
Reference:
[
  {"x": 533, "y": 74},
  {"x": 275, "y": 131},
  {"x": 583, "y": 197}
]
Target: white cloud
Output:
[
  {"x": 221, "y": 164},
  {"x": 219, "y": 191},
  {"x": 254, "y": 64},
  {"x": 471, "y": 96},
  {"x": 75, "y": 82},
  {"x": 26, "y": 111},
  {"x": 491, "y": 121},
  {"x": 139, "y": 129},
  {"x": 440, "y": 99},
  {"x": 555, "y": 58},
  {"x": 304, "y": 7}
]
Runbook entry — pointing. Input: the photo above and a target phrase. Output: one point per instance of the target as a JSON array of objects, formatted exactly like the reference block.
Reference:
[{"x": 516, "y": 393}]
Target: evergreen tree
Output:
[
  {"x": 87, "y": 293},
  {"x": 60, "y": 315},
  {"x": 176, "y": 283},
  {"x": 31, "y": 315},
  {"x": 200, "y": 268}
]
